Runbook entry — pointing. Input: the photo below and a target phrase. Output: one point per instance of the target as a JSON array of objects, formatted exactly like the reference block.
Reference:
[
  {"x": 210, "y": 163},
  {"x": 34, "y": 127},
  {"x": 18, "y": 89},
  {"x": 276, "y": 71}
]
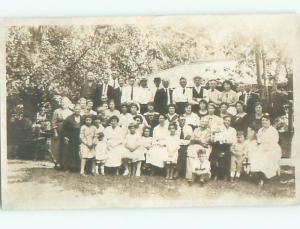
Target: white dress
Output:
[
  {"x": 115, "y": 146},
  {"x": 192, "y": 119},
  {"x": 133, "y": 141},
  {"x": 146, "y": 145},
  {"x": 270, "y": 152},
  {"x": 101, "y": 150},
  {"x": 87, "y": 137},
  {"x": 158, "y": 153},
  {"x": 173, "y": 145}
]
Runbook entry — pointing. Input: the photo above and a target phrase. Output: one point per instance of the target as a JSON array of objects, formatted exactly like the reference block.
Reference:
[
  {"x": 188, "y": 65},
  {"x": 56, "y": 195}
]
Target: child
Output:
[
  {"x": 173, "y": 145},
  {"x": 146, "y": 143},
  {"x": 239, "y": 152},
  {"x": 98, "y": 125},
  {"x": 89, "y": 108},
  {"x": 201, "y": 168},
  {"x": 139, "y": 124},
  {"x": 135, "y": 155},
  {"x": 88, "y": 140},
  {"x": 101, "y": 154}
]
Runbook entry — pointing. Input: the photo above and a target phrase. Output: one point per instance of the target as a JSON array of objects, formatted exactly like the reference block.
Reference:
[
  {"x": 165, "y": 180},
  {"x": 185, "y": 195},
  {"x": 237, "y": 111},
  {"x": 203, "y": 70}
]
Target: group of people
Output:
[{"x": 197, "y": 133}]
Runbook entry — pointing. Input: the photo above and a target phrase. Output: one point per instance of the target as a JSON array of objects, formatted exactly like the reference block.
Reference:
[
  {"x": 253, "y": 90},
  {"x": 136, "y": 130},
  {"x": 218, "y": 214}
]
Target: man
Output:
[
  {"x": 89, "y": 89},
  {"x": 278, "y": 99},
  {"x": 249, "y": 99},
  {"x": 118, "y": 92},
  {"x": 214, "y": 95},
  {"x": 114, "y": 80},
  {"x": 131, "y": 93},
  {"x": 146, "y": 95},
  {"x": 182, "y": 96},
  {"x": 185, "y": 133},
  {"x": 104, "y": 92},
  {"x": 163, "y": 97},
  {"x": 198, "y": 93}
]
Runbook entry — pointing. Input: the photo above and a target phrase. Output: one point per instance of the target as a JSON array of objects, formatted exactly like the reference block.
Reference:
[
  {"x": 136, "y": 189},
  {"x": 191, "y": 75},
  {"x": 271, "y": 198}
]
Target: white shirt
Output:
[
  {"x": 187, "y": 131},
  {"x": 226, "y": 135},
  {"x": 181, "y": 94},
  {"x": 214, "y": 96},
  {"x": 205, "y": 93},
  {"x": 114, "y": 83},
  {"x": 192, "y": 119},
  {"x": 126, "y": 94},
  {"x": 168, "y": 95},
  {"x": 146, "y": 95}
]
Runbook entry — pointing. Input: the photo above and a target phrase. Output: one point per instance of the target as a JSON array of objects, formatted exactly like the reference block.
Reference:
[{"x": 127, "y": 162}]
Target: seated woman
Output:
[
  {"x": 111, "y": 109},
  {"x": 220, "y": 157},
  {"x": 115, "y": 147},
  {"x": 213, "y": 121},
  {"x": 191, "y": 118},
  {"x": 134, "y": 111},
  {"x": 202, "y": 108},
  {"x": 158, "y": 152},
  {"x": 200, "y": 141},
  {"x": 125, "y": 118},
  {"x": 240, "y": 120},
  {"x": 223, "y": 110},
  {"x": 265, "y": 164},
  {"x": 139, "y": 124},
  {"x": 254, "y": 119},
  {"x": 172, "y": 117}
]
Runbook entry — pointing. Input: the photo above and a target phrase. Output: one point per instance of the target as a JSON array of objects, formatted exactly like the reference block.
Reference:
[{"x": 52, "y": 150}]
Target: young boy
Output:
[
  {"x": 201, "y": 170},
  {"x": 239, "y": 152}
]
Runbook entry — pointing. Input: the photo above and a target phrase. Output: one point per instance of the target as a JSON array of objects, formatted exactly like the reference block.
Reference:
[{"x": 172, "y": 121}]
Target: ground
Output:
[{"x": 37, "y": 185}]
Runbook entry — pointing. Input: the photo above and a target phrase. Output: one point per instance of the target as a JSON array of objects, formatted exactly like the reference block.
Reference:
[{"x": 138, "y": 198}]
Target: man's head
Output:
[
  {"x": 197, "y": 81},
  {"x": 90, "y": 76},
  {"x": 121, "y": 81},
  {"x": 165, "y": 82},
  {"x": 182, "y": 82},
  {"x": 131, "y": 81}
]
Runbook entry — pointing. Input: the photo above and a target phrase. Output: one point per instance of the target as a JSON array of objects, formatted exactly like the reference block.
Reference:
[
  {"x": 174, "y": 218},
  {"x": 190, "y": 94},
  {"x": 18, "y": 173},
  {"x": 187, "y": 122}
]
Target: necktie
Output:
[
  {"x": 183, "y": 91},
  {"x": 131, "y": 95},
  {"x": 181, "y": 133},
  {"x": 104, "y": 90},
  {"x": 114, "y": 83},
  {"x": 120, "y": 91},
  {"x": 167, "y": 96}
]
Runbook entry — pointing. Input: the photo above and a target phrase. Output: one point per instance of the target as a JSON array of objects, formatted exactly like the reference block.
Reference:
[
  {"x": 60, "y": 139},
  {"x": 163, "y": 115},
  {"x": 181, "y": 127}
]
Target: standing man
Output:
[
  {"x": 89, "y": 88},
  {"x": 146, "y": 95},
  {"x": 114, "y": 80},
  {"x": 198, "y": 93},
  {"x": 130, "y": 93},
  {"x": 118, "y": 92},
  {"x": 182, "y": 96},
  {"x": 163, "y": 97},
  {"x": 249, "y": 98},
  {"x": 104, "y": 92},
  {"x": 214, "y": 95}
]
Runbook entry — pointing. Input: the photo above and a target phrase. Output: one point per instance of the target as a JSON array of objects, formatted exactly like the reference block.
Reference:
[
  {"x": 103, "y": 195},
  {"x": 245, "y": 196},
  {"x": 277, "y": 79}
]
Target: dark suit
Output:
[
  {"x": 161, "y": 100},
  {"x": 197, "y": 96},
  {"x": 117, "y": 97},
  {"x": 109, "y": 94},
  {"x": 250, "y": 103},
  {"x": 88, "y": 92}
]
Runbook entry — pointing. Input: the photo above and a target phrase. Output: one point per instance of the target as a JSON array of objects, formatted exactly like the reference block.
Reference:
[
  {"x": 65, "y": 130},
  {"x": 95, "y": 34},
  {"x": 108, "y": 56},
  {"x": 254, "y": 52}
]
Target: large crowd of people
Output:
[{"x": 121, "y": 126}]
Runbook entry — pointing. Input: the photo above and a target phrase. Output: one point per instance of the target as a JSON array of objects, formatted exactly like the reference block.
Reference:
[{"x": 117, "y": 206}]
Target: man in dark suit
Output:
[
  {"x": 89, "y": 89},
  {"x": 199, "y": 92},
  {"x": 105, "y": 92},
  {"x": 118, "y": 93},
  {"x": 163, "y": 97},
  {"x": 249, "y": 99}
]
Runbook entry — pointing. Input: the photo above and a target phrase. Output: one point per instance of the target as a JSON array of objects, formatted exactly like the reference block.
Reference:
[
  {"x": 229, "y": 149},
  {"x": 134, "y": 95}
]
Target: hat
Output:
[
  {"x": 143, "y": 78},
  {"x": 197, "y": 77}
]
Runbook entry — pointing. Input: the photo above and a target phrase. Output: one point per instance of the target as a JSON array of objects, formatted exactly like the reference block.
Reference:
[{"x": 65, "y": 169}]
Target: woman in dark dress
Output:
[
  {"x": 70, "y": 134},
  {"x": 255, "y": 119},
  {"x": 240, "y": 120},
  {"x": 202, "y": 108}
]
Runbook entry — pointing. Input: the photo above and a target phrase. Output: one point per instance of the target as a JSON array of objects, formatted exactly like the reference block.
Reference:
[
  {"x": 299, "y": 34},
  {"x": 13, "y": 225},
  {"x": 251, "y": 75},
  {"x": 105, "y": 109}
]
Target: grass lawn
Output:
[{"x": 37, "y": 184}]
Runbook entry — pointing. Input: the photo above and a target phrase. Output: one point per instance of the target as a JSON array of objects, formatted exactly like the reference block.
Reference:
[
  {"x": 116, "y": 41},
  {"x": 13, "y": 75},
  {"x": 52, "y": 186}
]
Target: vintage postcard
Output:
[{"x": 164, "y": 111}]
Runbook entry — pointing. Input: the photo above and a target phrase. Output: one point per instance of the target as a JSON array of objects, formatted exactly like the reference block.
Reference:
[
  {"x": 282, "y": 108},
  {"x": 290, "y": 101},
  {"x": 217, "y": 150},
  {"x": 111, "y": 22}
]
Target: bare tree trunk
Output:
[{"x": 257, "y": 64}]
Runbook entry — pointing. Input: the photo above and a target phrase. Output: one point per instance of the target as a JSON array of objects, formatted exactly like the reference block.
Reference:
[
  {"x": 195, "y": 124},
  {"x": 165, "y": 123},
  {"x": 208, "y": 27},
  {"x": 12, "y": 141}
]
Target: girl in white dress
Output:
[
  {"x": 173, "y": 145},
  {"x": 115, "y": 146},
  {"x": 125, "y": 118},
  {"x": 88, "y": 140},
  {"x": 135, "y": 154},
  {"x": 101, "y": 153},
  {"x": 158, "y": 153},
  {"x": 146, "y": 141}
]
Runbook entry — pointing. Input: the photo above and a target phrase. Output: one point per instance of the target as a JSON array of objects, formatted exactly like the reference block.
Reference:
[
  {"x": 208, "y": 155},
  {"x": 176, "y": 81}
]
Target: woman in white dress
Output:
[
  {"x": 158, "y": 153},
  {"x": 111, "y": 109},
  {"x": 191, "y": 118},
  {"x": 213, "y": 121},
  {"x": 267, "y": 162},
  {"x": 125, "y": 118},
  {"x": 115, "y": 144}
]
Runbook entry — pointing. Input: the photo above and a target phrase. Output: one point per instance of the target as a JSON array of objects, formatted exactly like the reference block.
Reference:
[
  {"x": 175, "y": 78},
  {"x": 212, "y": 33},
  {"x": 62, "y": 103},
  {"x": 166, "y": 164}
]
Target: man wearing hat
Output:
[
  {"x": 198, "y": 93},
  {"x": 146, "y": 95},
  {"x": 114, "y": 80},
  {"x": 163, "y": 97}
]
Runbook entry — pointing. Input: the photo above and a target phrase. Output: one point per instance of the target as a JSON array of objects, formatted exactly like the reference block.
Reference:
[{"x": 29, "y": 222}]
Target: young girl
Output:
[
  {"x": 88, "y": 140},
  {"x": 101, "y": 154},
  {"x": 146, "y": 143},
  {"x": 173, "y": 145},
  {"x": 98, "y": 124},
  {"x": 135, "y": 154},
  {"x": 239, "y": 153}
]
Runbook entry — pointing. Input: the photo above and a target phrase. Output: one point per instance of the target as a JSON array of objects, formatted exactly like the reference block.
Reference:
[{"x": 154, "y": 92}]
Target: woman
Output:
[
  {"x": 255, "y": 119},
  {"x": 172, "y": 117},
  {"x": 213, "y": 121},
  {"x": 158, "y": 153},
  {"x": 124, "y": 118},
  {"x": 115, "y": 147},
  {"x": 111, "y": 109},
  {"x": 199, "y": 141},
  {"x": 228, "y": 95},
  {"x": 70, "y": 133},
  {"x": 223, "y": 110},
  {"x": 58, "y": 118},
  {"x": 202, "y": 108},
  {"x": 240, "y": 120},
  {"x": 134, "y": 111},
  {"x": 267, "y": 165},
  {"x": 191, "y": 118},
  {"x": 220, "y": 157}
]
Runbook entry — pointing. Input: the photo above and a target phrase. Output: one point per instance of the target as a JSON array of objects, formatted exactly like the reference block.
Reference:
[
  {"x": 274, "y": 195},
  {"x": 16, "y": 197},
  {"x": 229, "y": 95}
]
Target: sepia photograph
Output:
[{"x": 149, "y": 111}]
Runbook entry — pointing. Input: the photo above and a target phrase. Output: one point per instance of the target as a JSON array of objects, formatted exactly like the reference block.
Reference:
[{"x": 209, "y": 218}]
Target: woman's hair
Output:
[
  {"x": 227, "y": 82},
  {"x": 172, "y": 124},
  {"x": 224, "y": 103},
  {"x": 266, "y": 116},
  {"x": 165, "y": 117},
  {"x": 203, "y": 101},
  {"x": 134, "y": 105},
  {"x": 146, "y": 128},
  {"x": 114, "y": 117},
  {"x": 138, "y": 117},
  {"x": 171, "y": 105}
]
